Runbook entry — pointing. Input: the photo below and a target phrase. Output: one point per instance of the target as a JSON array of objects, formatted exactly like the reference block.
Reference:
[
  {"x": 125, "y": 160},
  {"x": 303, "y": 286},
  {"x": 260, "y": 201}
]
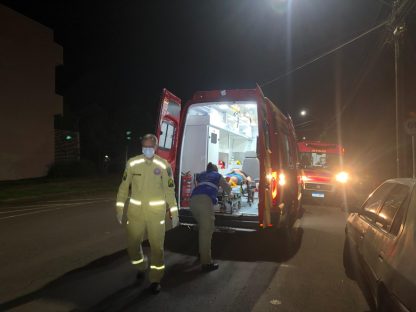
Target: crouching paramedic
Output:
[
  {"x": 203, "y": 199},
  {"x": 152, "y": 193}
]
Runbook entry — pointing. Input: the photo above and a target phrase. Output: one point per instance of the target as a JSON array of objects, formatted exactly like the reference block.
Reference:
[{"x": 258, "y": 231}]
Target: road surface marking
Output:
[
  {"x": 38, "y": 208},
  {"x": 42, "y": 208},
  {"x": 30, "y": 213},
  {"x": 40, "y": 205},
  {"x": 78, "y": 199}
]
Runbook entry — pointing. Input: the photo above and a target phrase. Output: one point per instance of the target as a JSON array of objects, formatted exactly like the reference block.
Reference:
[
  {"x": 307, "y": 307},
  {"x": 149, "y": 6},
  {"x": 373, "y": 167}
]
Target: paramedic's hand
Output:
[
  {"x": 174, "y": 216},
  {"x": 119, "y": 215}
]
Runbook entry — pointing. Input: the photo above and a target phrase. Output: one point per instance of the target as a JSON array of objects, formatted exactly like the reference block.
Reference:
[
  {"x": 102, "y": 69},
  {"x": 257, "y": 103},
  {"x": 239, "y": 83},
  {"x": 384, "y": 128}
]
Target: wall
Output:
[{"x": 28, "y": 103}]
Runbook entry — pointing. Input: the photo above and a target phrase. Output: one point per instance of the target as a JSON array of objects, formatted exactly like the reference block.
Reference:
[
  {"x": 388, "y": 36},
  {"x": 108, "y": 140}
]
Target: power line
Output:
[
  {"x": 370, "y": 59},
  {"x": 324, "y": 54}
]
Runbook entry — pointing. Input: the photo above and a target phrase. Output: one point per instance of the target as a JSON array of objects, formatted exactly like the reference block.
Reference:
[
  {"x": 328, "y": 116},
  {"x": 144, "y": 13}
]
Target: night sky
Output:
[{"x": 118, "y": 55}]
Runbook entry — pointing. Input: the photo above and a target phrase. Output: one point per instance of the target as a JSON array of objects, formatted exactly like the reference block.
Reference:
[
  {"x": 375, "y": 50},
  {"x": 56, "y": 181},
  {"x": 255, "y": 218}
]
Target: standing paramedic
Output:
[
  {"x": 203, "y": 199},
  {"x": 152, "y": 193}
]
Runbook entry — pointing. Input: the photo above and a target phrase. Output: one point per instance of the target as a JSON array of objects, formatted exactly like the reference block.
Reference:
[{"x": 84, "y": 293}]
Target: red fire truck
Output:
[
  {"x": 241, "y": 130},
  {"x": 322, "y": 176}
]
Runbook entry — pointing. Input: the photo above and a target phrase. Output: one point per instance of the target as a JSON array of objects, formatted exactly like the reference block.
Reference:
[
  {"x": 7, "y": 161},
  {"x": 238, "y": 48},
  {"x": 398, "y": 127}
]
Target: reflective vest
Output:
[{"x": 208, "y": 183}]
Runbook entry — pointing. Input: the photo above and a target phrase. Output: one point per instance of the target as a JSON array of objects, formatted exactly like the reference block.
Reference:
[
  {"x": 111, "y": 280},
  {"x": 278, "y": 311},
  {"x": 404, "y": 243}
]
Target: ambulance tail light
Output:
[
  {"x": 272, "y": 179},
  {"x": 275, "y": 180}
]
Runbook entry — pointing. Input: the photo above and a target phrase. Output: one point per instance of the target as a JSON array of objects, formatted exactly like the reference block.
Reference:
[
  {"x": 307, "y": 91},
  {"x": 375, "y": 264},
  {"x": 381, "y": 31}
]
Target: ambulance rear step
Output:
[{"x": 224, "y": 221}]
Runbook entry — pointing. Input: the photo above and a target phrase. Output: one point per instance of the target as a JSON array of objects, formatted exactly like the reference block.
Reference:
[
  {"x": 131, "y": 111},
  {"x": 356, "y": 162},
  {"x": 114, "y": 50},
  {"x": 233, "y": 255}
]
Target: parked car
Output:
[{"x": 380, "y": 245}]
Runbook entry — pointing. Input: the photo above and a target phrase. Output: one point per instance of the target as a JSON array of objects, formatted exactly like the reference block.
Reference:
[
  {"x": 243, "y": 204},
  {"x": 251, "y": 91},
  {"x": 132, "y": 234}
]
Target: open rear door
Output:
[
  {"x": 167, "y": 131},
  {"x": 167, "y": 128},
  {"x": 263, "y": 154}
]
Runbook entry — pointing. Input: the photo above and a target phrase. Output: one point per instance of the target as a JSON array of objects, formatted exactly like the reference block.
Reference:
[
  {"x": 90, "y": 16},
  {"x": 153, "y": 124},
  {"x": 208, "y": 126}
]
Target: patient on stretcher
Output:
[{"x": 237, "y": 177}]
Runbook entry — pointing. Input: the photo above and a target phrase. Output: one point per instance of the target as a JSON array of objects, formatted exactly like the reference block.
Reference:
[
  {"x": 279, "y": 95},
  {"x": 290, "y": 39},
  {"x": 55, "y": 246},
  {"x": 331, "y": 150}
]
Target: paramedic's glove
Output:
[
  {"x": 174, "y": 216},
  {"x": 119, "y": 212}
]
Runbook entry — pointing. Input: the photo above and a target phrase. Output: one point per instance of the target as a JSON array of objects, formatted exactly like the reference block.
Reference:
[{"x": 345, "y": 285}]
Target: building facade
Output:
[{"x": 28, "y": 102}]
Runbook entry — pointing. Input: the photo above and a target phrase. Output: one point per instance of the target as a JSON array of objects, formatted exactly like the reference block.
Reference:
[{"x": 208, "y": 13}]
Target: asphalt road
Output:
[{"x": 69, "y": 255}]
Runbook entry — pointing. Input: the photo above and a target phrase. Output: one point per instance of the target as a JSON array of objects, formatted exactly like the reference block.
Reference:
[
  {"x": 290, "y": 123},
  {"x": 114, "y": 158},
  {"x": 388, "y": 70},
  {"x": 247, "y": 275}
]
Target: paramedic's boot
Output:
[
  {"x": 155, "y": 288},
  {"x": 210, "y": 267}
]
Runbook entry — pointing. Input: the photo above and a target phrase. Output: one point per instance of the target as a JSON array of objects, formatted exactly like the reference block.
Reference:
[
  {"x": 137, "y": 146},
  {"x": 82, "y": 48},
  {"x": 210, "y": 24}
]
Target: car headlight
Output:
[
  {"x": 282, "y": 179},
  {"x": 342, "y": 177},
  {"x": 304, "y": 178}
]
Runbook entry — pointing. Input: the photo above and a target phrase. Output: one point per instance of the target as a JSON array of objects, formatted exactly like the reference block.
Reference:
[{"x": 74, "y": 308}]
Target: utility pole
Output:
[
  {"x": 397, "y": 23},
  {"x": 397, "y": 33}
]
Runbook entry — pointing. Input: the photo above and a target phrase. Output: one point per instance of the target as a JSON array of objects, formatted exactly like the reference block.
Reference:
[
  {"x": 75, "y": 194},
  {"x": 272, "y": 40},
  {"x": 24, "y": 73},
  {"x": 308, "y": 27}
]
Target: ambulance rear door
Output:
[
  {"x": 263, "y": 154},
  {"x": 167, "y": 128}
]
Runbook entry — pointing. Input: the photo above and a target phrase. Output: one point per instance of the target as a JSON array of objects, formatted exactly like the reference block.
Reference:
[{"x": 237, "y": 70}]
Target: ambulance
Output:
[
  {"x": 323, "y": 176},
  {"x": 243, "y": 133}
]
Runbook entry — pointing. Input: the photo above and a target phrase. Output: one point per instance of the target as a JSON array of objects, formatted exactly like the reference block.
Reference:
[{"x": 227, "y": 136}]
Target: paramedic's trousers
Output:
[
  {"x": 203, "y": 212},
  {"x": 151, "y": 220}
]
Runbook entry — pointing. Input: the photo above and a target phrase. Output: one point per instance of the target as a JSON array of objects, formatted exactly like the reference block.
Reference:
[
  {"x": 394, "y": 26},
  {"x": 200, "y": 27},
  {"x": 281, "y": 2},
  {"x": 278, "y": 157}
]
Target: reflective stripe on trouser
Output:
[
  {"x": 203, "y": 212},
  {"x": 135, "y": 236},
  {"x": 136, "y": 228}
]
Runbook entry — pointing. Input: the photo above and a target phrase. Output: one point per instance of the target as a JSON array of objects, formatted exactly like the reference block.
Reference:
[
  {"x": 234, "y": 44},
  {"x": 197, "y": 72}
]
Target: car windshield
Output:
[{"x": 310, "y": 160}]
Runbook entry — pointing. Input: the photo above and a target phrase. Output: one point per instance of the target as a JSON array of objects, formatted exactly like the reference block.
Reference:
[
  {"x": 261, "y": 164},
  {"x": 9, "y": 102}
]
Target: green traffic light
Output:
[{"x": 128, "y": 132}]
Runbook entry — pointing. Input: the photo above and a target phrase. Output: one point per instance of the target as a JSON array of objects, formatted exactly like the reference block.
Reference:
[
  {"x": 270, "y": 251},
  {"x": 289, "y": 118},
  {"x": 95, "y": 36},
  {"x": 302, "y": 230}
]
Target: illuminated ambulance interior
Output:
[{"x": 226, "y": 135}]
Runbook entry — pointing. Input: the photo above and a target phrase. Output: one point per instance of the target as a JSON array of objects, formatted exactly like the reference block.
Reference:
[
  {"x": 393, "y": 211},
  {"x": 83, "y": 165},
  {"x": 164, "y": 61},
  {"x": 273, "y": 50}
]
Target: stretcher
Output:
[{"x": 230, "y": 203}]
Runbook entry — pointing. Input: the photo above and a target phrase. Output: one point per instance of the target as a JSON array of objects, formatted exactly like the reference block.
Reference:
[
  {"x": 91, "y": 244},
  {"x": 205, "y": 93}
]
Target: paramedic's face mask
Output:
[
  {"x": 148, "y": 149},
  {"x": 148, "y": 152}
]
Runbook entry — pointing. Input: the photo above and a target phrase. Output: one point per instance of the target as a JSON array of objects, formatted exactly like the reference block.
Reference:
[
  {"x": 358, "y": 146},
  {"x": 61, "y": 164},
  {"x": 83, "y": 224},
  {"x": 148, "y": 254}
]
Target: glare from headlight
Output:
[
  {"x": 342, "y": 177},
  {"x": 304, "y": 178},
  {"x": 282, "y": 179}
]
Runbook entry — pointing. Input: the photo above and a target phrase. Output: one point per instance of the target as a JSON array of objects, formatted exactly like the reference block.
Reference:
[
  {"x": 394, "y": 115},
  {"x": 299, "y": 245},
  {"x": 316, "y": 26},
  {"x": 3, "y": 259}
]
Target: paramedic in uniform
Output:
[
  {"x": 152, "y": 193},
  {"x": 203, "y": 199}
]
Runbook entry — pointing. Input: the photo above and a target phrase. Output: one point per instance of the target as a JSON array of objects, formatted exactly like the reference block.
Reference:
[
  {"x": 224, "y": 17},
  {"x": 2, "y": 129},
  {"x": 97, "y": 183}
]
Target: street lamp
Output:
[
  {"x": 303, "y": 113},
  {"x": 128, "y": 135},
  {"x": 128, "y": 138}
]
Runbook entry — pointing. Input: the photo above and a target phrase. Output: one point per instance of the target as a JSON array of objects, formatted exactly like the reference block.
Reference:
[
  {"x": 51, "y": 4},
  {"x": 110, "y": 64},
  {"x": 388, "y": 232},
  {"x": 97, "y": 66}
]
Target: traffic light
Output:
[
  {"x": 68, "y": 137},
  {"x": 128, "y": 135}
]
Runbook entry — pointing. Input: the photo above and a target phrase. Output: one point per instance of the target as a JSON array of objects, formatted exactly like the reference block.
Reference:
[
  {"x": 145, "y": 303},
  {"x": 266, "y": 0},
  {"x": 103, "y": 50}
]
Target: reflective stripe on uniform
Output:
[
  {"x": 136, "y": 162},
  {"x": 159, "y": 163},
  {"x": 120, "y": 204},
  {"x": 135, "y": 202},
  {"x": 162, "y": 222},
  {"x": 174, "y": 209},
  {"x": 154, "y": 267},
  {"x": 209, "y": 184},
  {"x": 157, "y": 203},
  {"x": 137, "y": 261}
]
